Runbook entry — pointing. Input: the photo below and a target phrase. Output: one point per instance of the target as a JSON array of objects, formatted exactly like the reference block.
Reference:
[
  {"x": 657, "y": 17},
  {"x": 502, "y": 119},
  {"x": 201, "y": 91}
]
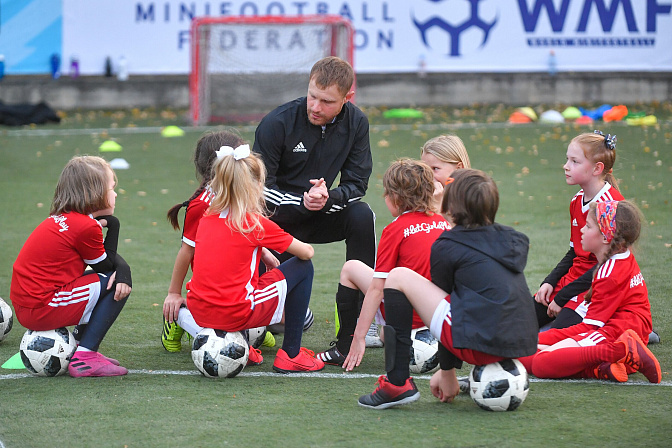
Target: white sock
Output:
[{"x": 187, "y": 322}]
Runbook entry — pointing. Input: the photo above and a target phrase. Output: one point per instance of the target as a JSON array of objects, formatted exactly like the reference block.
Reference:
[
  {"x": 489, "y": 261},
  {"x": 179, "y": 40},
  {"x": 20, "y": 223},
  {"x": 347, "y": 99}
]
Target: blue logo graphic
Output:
[{"x": 454, "y": 31}]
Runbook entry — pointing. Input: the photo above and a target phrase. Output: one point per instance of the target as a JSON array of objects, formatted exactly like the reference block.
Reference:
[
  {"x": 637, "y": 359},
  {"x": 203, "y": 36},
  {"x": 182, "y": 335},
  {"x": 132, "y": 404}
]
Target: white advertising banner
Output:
[{"x": 394, "y": 35}]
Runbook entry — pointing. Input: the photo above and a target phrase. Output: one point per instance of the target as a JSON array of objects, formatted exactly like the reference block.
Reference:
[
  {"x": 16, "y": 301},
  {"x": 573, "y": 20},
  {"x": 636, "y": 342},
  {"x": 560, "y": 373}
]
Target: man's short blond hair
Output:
[{"x": 331, "y": 71}]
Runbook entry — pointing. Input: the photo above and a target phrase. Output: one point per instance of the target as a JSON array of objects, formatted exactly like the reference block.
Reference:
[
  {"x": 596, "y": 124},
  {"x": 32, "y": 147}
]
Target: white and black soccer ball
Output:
[
  {"x": 6, "y": 319},
  {"x": 424, "y": 352},
  {"x": 256, "y": 336},
  {"x": 47, "y": 353},
  {"x": 219, "y": 353},
  {"x": 500, "y": 386}
]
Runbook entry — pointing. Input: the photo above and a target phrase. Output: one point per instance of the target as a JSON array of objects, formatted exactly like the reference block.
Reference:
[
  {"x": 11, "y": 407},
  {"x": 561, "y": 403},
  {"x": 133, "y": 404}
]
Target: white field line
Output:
[
  {"x": 251, "y": 128},
  {"x": 348, "y": 376}
]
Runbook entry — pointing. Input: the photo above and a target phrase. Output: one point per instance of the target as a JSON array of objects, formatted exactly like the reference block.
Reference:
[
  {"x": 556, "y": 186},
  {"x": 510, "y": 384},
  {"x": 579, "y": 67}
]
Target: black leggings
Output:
[
  {"x": 102, "y": 317},
  {"x": 566, "y": 317}
]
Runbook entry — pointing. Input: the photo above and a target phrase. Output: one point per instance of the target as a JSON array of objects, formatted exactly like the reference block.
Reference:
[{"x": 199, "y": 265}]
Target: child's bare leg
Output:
[{"x": 424, "y": 295}]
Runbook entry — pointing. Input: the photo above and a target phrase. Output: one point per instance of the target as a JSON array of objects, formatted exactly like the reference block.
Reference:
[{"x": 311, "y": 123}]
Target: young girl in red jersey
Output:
[
  {"x": 443, "y": 154},
  {"x": 48, "y": 288},
  {"x": 226, "y": 291},
  {"x": 590, "y": 159},
  {"x": 610, "y": 342},
  {"x": 408, "y": 190},
  {"x": 204, "y": 157}
]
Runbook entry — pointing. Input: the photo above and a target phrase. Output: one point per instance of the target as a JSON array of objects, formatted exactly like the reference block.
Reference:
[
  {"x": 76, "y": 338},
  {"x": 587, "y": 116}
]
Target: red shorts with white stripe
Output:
[
  {"x": 442, "y": 329},
  {"x": 587, "y": 335},
  {"x": 268, "y": 304},
  {"x": 70, "y": 305}
]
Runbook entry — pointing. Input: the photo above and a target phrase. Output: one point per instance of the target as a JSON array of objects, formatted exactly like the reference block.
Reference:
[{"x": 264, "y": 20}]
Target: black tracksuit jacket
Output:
[{"x": 295, "y": 151}]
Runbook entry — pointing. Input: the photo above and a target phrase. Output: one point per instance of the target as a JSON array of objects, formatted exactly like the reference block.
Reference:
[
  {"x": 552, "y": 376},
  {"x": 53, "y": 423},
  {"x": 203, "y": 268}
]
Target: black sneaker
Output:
[
  {"x": 332, "y": 356},
  {"x": 387, "y": 394}
]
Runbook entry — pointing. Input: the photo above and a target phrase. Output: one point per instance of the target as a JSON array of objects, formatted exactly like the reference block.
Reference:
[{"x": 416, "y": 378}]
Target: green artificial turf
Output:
[{"x": 165, "y": 402}]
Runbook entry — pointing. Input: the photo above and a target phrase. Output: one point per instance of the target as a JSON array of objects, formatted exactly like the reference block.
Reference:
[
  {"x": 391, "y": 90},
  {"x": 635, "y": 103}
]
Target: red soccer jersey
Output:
[
  {"x": 226, "y": 269},
  {"x": 578, "y": 212},
  {"x": 195, "y": 211},
  {"x": 407, "y": 242},
  {"x": 620, "y": 300},
  {"x": 55, "y": 254}
]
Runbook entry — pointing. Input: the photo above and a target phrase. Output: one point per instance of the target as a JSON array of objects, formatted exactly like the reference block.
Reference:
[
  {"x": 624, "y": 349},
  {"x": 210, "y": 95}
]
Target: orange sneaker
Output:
[
  {"x": 612, "y": 371},
  {"x": 305, "y": 361},
  {"x": 255, "y": 357},
  {"x": 639, "y": 357}
]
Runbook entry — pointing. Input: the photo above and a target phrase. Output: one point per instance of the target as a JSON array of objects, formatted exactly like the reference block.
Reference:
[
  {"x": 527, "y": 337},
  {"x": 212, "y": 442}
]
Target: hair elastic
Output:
[
  {"x": 606, "y": 218},
  {"x": 241, "y": 152},
  {"x": 609, "y": 140}
]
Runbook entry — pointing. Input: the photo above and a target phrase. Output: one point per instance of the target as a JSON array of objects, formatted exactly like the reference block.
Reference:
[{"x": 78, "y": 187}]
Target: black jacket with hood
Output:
[{"x": 491, "y": 305}]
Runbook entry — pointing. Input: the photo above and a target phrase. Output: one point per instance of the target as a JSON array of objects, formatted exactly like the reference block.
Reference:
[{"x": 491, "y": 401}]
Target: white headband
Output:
[{"x": 240, "y": 152}]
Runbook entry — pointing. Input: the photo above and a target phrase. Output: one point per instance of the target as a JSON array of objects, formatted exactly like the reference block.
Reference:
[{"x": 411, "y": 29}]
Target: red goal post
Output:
[{"x": 244, "y": 66}]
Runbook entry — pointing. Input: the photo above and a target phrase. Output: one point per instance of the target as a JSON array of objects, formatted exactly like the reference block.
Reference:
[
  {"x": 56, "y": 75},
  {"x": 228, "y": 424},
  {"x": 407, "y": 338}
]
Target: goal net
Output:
[{"x": 244, "y": 66}]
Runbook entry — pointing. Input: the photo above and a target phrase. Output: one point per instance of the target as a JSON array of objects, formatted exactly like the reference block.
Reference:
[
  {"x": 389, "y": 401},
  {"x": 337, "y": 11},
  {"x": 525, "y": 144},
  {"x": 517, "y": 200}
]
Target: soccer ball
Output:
[
  {"x": 47, "y": 353},
  {"x": 220, "y": 354},
  {"x": 424, "y": 352},
  {"x": 6, "y": 319},
  {"x": 256, "y": 336},
  {"x": 500, "y": 386}
]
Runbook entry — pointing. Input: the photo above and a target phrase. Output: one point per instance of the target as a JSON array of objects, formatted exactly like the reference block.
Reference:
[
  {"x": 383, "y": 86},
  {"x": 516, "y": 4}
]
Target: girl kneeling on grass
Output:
[
  {"x": 477, "y": 304},
  {"x": 610, "y": 342},
  {"x": 49, "y": 286},
  {"x": 226, "y": 291}
]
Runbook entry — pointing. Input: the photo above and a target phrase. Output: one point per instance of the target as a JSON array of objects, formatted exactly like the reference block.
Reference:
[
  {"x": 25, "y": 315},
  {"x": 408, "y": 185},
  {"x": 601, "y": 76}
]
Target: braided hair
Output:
[
  {"x": 628, "y": 227},
  {"x": 204, "y": 157}
]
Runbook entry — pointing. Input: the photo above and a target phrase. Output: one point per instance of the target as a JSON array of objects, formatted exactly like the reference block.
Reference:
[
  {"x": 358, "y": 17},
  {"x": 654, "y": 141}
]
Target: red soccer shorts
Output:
[{"x": 70, "y": 305}]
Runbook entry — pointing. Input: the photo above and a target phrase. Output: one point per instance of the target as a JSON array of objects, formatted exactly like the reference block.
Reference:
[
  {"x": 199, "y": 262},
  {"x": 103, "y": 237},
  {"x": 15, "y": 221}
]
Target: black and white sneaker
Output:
[
  {"x": 372, "y": 339},
  {"x": 387, "y": 394},
  {"x": 307, "y": 323},
  {"x": 332, "y": 356},
  {"x": 464, "y": 384}
]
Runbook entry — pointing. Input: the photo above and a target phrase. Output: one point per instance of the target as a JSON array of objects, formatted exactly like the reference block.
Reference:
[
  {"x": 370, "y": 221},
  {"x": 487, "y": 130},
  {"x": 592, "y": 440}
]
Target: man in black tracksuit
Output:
[{"x": 306, "y": 144}]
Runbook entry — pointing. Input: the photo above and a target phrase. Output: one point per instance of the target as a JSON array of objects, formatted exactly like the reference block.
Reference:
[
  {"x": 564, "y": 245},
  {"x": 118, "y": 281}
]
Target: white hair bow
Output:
[{"x": 240, "y": 152}]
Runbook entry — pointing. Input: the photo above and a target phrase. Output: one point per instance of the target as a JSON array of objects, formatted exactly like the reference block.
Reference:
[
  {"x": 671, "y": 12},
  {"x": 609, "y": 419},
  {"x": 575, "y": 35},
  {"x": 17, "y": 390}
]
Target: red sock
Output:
[
  {"x": 570, "y": 361},
  {"x": 527, "y": 362}
]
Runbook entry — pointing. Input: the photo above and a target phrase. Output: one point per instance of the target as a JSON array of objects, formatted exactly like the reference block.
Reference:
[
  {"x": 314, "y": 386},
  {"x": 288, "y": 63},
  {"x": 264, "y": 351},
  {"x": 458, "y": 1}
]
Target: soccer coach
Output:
[{"x": 305, "y": 144}]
